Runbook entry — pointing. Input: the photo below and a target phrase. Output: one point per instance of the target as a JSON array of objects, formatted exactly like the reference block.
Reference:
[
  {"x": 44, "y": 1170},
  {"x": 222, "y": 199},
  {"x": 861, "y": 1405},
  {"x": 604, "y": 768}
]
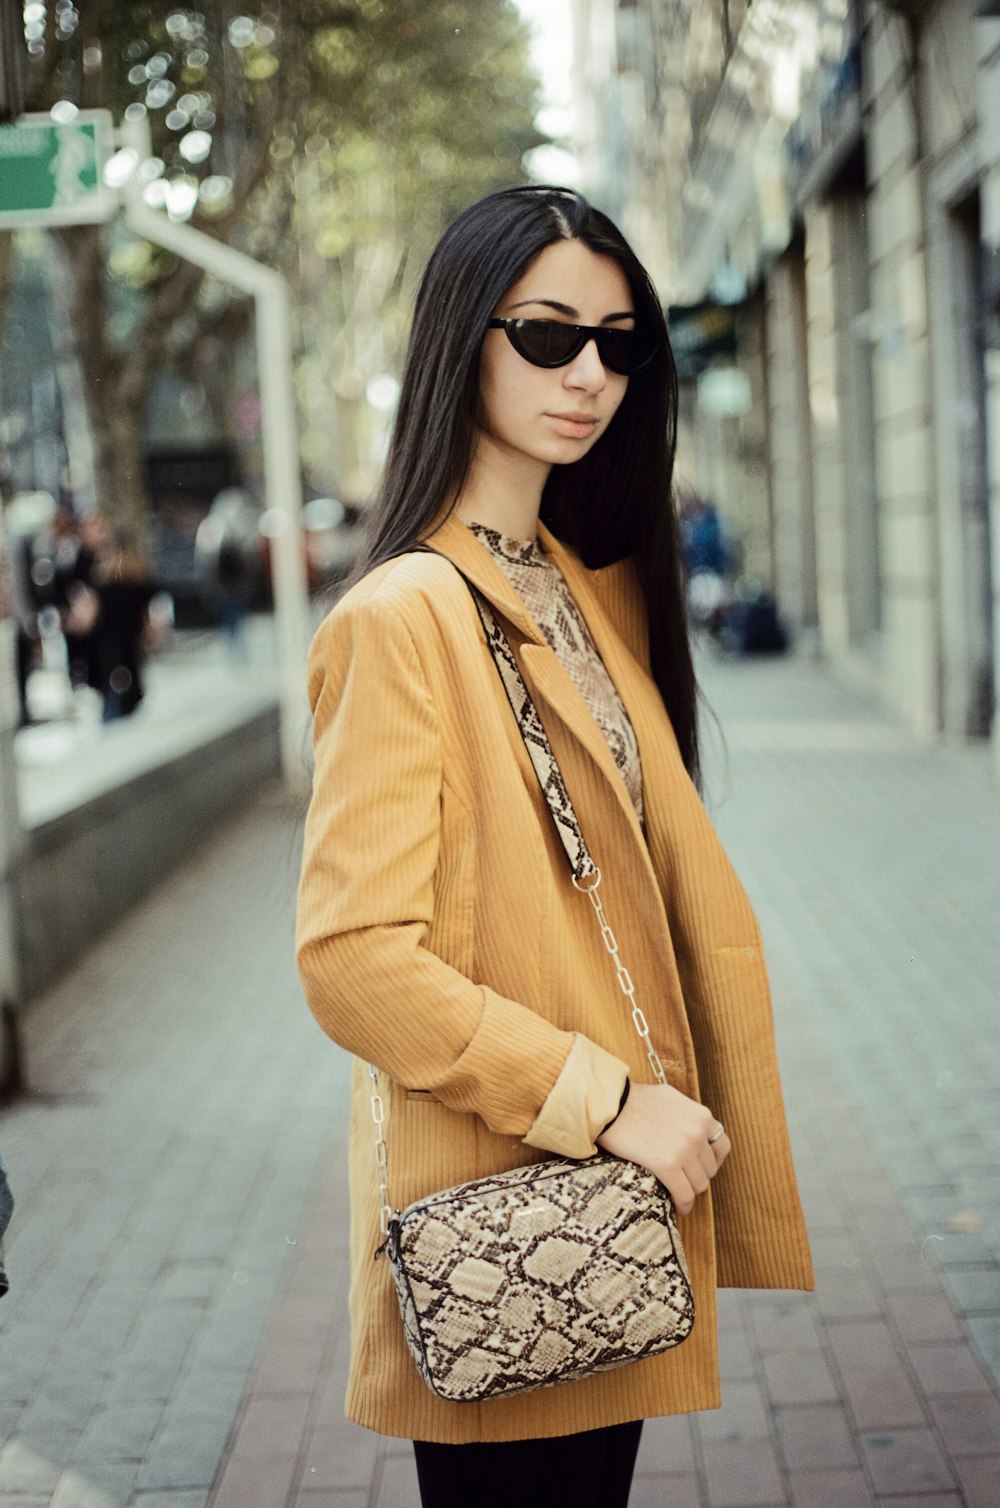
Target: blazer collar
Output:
[
  {"x": 474, "y": 560},
  {"x": 547, "y": 678},
  {"x": 589, "y": 588}
]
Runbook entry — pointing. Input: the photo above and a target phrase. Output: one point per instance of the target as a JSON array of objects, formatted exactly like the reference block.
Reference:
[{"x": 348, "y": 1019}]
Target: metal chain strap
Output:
[
  {"x": 589, "y": 888},
  {"x": 381, "y": 1164}
]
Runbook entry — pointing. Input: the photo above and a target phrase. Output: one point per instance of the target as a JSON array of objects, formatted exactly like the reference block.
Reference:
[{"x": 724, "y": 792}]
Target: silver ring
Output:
[{"x": 718, "y": 1135}]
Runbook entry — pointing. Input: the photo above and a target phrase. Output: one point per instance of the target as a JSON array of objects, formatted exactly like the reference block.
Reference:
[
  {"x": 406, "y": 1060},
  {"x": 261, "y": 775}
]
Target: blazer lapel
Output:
[
  {"x": 460, "y": 545},
  {"x": 676, "y": 820},
  {"x": 550, "y": 684},
  {"x": 580, "y": 747}
]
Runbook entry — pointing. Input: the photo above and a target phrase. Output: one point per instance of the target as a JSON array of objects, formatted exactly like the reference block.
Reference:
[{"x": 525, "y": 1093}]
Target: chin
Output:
[
  {"x": 561, "y": 451},
  {"x": 573, "y": 450}
]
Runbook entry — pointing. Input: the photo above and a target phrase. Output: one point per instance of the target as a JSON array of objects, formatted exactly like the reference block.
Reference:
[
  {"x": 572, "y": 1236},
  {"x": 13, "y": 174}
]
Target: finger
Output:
[
  {"x": 698, "y": 1174},
  {"x": 678, "y": 1186},
  {"x": 722, "y": 1149},
  {"x": 708, "y": 1160}
]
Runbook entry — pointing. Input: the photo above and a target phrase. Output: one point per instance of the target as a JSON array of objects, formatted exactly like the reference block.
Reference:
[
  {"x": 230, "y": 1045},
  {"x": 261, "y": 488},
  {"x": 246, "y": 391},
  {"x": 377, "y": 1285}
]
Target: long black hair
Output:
[{"x": 616, "y": 501}]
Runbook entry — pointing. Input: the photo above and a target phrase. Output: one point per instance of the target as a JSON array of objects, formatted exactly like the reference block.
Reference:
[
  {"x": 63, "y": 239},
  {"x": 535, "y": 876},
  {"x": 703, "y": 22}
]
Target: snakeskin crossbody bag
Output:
[{"x": 556, "y": 1270}]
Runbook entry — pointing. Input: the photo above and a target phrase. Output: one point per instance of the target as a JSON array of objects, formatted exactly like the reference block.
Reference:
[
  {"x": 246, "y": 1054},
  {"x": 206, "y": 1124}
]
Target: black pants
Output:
[{"x": 589, "y": 1470}]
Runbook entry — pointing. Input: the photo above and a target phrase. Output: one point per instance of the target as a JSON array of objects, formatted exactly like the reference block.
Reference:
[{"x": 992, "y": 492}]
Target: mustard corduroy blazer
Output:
[{"x": 440, "y": 936}]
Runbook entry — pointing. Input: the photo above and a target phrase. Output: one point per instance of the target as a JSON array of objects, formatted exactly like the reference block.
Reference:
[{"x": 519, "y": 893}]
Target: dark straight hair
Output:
[{"x": 615, "y": 502}]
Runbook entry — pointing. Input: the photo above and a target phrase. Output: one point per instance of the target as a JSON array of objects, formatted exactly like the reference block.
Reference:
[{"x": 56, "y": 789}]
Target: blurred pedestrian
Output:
[
  {"x": 31, "y": 533},
  {"x": 440, "y": 936},
  {"x": 123, "y": 586},
  {"x": 236, "y": 575},
  {"x": 227, "y": 552},
  {"x": 702, "y": 538},
  {"x": 25, "y": 612},
  {"x": 77, "y": 598},
  {"x": 708, "y": 560}
]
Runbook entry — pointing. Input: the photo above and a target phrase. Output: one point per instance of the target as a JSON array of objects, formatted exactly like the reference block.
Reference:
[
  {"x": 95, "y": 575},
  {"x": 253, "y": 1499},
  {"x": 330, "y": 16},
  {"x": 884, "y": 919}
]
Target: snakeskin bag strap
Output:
[{"x": 588, "y": 1249}]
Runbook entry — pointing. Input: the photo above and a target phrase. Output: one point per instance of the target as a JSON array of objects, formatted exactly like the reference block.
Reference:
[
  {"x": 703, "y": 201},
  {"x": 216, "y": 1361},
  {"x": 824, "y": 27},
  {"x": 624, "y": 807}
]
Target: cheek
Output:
[
  {"x": 617, "y": 388},
  {"x": 506, "y": 394},
  {"x": 494, "y": 388},
  {"x": 495, "y": 405}
]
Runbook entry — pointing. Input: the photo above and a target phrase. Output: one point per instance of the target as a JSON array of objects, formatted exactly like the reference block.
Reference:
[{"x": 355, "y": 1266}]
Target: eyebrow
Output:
[{"x": 550, "y": 303}]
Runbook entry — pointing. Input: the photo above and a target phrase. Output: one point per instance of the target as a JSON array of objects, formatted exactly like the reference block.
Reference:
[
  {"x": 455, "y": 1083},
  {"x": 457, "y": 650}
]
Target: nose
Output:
[{"x": 586, "y": 370}]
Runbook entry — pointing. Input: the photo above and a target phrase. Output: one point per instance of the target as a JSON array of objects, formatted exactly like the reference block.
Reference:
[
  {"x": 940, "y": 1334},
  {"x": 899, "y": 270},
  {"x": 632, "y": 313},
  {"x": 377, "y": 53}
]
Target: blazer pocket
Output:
[{"x": 426, "y": 1096}]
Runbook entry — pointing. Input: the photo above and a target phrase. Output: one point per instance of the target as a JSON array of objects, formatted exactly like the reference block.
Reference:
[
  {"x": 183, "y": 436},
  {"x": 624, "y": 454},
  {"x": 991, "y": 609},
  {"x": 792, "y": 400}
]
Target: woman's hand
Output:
[{"x": 664, "y": 1131}]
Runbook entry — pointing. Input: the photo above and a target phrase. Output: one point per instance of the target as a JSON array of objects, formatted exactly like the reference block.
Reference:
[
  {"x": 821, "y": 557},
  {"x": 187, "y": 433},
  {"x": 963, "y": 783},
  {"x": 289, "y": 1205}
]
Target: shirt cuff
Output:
[{"x": 583, "y": 1099}]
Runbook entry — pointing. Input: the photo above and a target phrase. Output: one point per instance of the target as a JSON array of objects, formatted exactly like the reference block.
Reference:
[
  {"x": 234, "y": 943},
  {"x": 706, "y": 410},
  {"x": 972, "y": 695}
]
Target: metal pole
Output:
[
  {"x": 283, "y": 488},
  {"x": 279, "y": 435}
]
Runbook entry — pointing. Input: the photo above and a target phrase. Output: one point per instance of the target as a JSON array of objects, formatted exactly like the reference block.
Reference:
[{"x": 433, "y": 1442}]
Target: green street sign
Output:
[{"x": 51, "y": 172}]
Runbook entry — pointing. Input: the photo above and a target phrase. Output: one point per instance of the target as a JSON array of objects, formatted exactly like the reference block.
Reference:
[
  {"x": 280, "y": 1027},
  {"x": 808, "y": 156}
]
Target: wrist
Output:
[{"x": 621, "y": 1107}]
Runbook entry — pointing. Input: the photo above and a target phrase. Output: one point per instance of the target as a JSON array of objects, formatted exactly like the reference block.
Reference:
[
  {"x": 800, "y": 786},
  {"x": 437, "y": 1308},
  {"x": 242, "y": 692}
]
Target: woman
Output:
[{"x": 439, "y": 934}]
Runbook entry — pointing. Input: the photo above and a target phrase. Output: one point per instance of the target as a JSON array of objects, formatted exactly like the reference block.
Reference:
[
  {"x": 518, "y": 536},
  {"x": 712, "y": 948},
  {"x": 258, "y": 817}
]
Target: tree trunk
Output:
[
  {"x": 120, "y": 469},
  {"x": 87, "y": 372},
  {"x": 71, "y": 381},
  {"x": 103, "y": 401}
]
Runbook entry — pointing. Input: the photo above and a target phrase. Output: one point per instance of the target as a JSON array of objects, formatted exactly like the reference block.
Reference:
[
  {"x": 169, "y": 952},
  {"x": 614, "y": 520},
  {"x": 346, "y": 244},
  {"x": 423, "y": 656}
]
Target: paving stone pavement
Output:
[{"x": 176, "y": 1337}]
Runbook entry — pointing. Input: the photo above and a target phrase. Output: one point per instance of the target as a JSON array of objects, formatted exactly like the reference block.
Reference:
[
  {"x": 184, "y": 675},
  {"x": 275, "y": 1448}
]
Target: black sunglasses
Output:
[{"x": 550, "y": 343}]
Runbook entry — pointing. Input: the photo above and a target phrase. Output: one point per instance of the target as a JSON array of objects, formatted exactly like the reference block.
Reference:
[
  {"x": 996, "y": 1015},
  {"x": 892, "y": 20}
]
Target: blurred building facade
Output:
[{"x": 816, "y": 185}]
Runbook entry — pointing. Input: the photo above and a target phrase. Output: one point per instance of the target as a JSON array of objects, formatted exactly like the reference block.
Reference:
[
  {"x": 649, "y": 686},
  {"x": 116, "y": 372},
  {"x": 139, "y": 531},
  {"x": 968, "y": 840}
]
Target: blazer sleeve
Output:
[{"x": 366, "y": 901}]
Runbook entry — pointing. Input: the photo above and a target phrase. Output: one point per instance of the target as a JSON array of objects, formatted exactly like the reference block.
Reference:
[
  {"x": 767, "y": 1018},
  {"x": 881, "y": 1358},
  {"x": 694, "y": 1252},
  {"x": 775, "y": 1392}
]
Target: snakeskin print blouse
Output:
[{"x": 540, "y": 585}]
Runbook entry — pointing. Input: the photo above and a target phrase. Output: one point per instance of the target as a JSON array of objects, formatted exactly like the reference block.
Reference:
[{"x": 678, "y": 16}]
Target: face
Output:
[{"x": 553, "y": 416}]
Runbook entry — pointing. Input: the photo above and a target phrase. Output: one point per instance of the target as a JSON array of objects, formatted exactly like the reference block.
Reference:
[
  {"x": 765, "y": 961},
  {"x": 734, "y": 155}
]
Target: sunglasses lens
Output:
[
  {"x": 623, "y": 351},
  {"x": 544, "y": 341}
]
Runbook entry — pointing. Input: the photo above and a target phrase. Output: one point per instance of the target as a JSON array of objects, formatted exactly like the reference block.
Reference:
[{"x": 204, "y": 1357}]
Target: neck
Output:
[{"x": 503, "y": 491}]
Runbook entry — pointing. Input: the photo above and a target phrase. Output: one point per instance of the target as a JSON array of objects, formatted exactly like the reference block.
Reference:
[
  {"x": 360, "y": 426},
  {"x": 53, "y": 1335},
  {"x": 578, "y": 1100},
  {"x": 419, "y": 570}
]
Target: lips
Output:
[{"x": 576, "y": 426}]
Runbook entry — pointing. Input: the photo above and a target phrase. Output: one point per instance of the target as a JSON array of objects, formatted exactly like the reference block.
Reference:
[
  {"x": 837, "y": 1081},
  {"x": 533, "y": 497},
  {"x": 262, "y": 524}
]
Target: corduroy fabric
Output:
[{"x": 439, "y": 936}]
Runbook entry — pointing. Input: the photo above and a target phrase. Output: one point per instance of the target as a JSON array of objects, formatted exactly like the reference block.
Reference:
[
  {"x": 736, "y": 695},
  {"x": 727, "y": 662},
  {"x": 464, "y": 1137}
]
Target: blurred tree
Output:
[
  {"x": 439, "y": 106},
  {"x": 206, "y": 91},
  {"x": 329, "y": 137}
]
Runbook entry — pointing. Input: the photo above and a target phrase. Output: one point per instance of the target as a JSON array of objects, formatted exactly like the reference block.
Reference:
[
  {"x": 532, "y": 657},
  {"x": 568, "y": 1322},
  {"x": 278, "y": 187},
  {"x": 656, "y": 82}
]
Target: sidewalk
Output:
[{"x": 176, "y": 1336}]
